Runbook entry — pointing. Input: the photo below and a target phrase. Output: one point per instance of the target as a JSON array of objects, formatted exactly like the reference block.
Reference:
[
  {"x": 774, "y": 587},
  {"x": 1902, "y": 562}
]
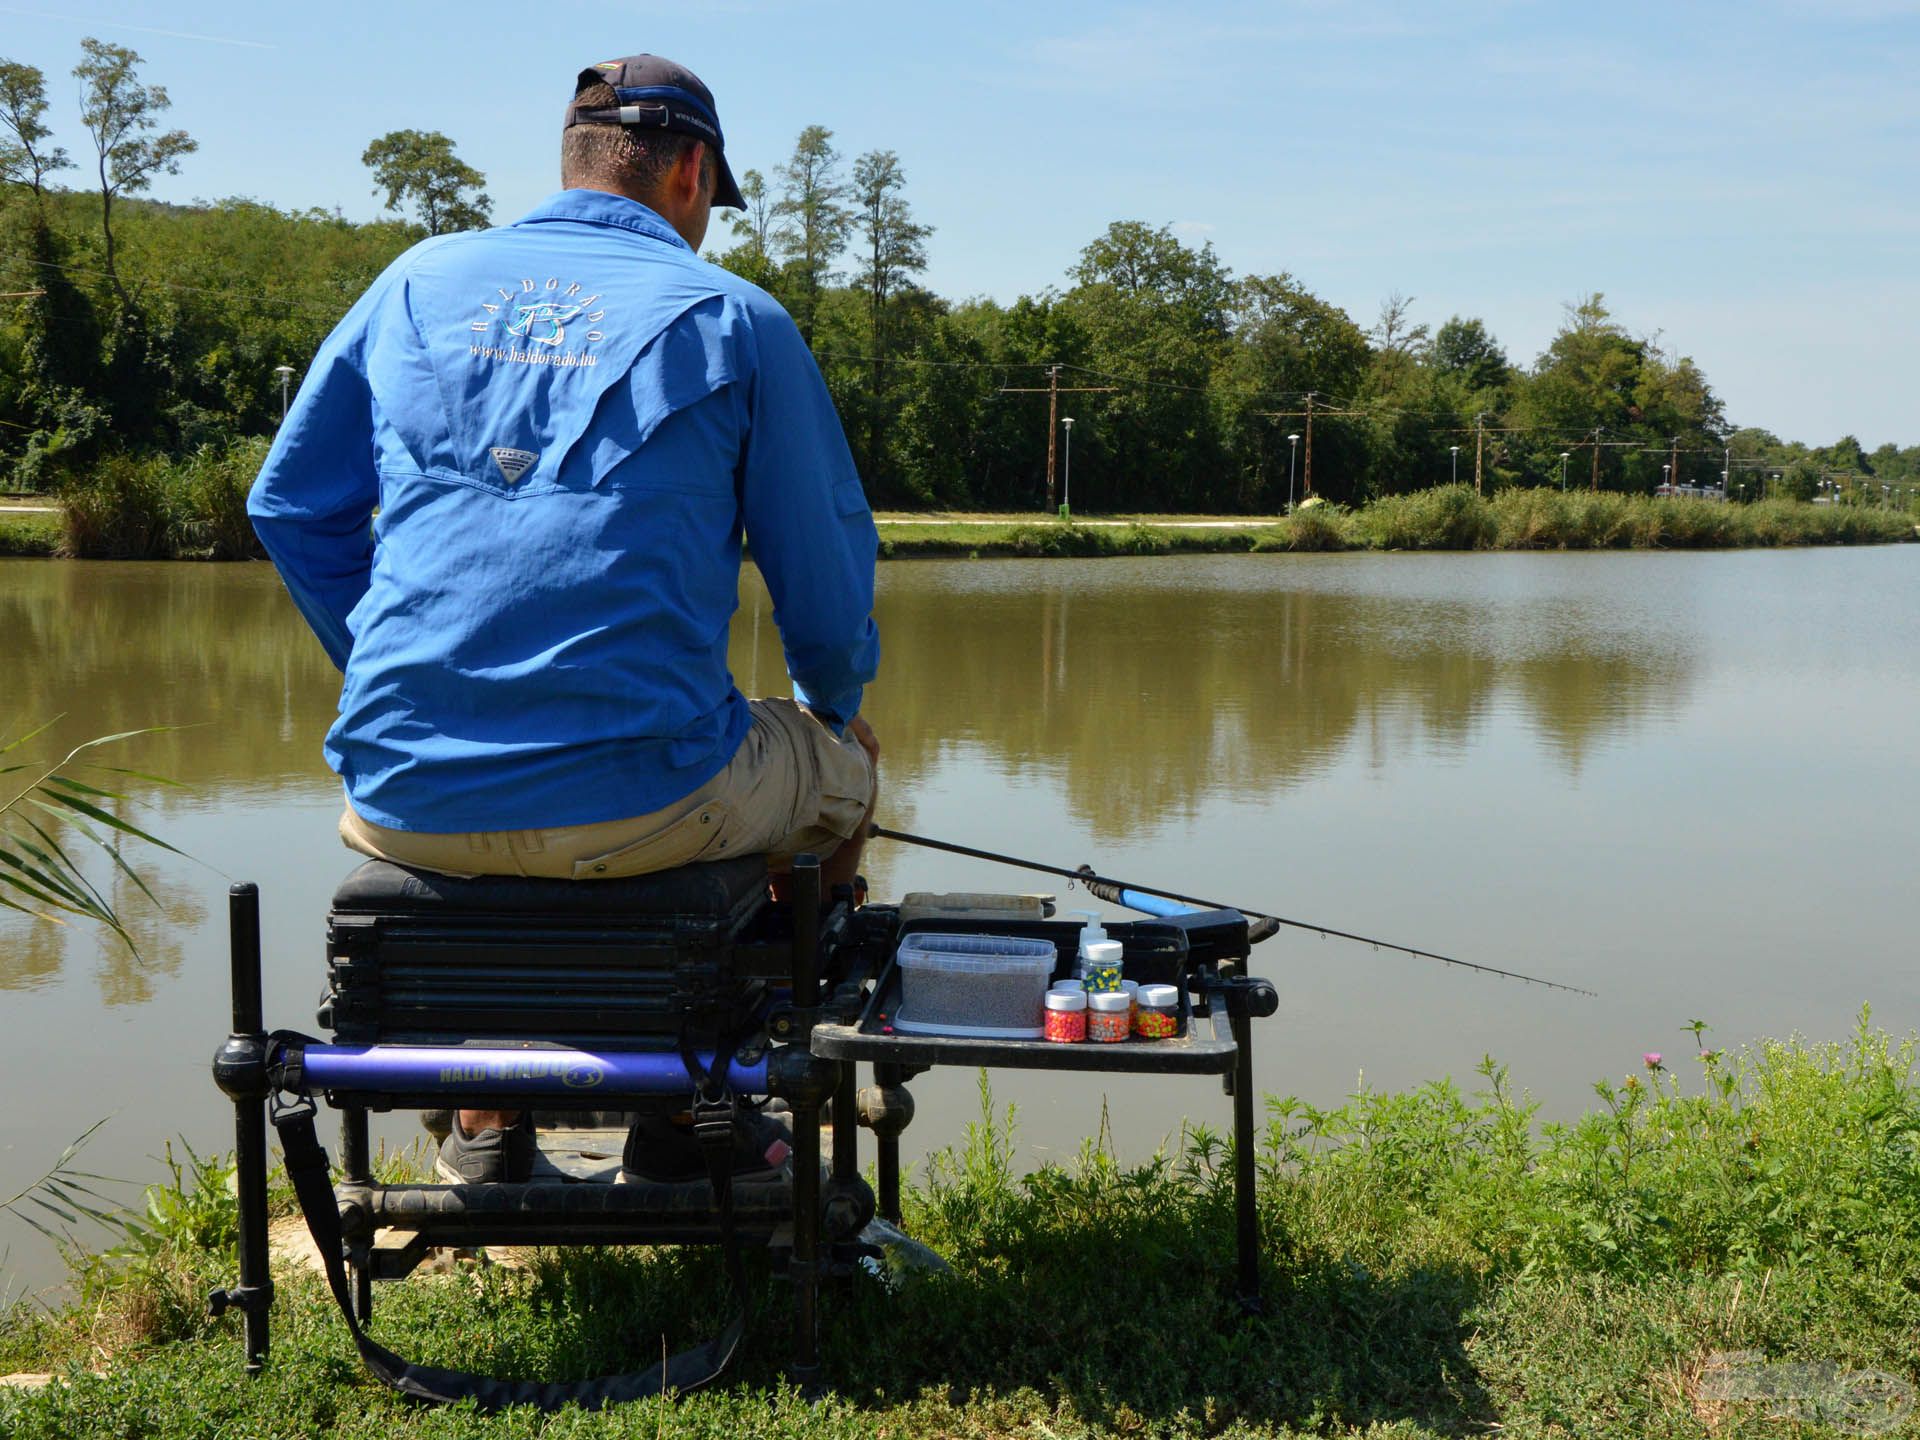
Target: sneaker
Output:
[
  {"x": 488, "y": 1156},
  {"x": 662, "y": 1150}
]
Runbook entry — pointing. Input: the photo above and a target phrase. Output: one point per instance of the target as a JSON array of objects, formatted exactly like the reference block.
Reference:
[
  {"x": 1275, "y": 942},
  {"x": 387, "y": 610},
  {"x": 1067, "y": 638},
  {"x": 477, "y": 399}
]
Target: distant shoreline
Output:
[{"x": 1447, "y": 518}]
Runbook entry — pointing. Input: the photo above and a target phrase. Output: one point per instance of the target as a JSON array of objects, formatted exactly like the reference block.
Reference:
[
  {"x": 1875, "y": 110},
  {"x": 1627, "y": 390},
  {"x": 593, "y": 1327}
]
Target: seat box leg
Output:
[{"x": 356, "y": 1167}]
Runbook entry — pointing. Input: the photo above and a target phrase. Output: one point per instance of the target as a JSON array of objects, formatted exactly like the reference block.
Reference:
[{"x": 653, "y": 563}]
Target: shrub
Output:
[
  {"x": 214, "y": 522},
  {"x": 1447, "y": 517},
  {"x": 1318, "y": 527},
  {"x": 154, "y": 508},
  {"x": 120, "y": 510}
]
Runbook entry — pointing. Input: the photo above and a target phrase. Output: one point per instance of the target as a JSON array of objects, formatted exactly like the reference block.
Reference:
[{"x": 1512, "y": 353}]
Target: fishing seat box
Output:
[{"x": 416, "y": 957}]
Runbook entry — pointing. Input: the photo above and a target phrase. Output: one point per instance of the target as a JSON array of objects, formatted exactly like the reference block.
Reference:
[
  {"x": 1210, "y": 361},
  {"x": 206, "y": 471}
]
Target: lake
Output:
[{"x": 1686, "y": 781}]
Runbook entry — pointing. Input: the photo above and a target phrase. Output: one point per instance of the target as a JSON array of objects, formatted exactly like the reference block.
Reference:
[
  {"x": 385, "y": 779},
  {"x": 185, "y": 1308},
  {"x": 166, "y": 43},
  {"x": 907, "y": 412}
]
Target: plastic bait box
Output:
[{"x": 991, "y": 986}]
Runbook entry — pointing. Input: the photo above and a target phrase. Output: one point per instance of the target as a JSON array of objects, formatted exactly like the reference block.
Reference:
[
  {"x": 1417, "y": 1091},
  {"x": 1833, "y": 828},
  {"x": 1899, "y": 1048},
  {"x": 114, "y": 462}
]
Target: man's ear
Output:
[{"x": 686, "y": 175}]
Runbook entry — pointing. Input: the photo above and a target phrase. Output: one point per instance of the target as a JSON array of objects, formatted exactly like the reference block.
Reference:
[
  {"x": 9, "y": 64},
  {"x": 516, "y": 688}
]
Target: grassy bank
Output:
[
  {"x": 1436, "y": 1264},
  {"x": 1450, "y": 517},
  {"x": 196, "y": 509},
  {"x": 29, "y": 533},
  {"x": 150, "y": 508}
]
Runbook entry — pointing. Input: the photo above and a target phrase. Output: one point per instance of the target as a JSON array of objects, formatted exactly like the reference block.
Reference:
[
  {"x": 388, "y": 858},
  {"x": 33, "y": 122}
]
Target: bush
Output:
[
  {"x": 1310, "y": 528},
  {"x": 154, "y": 508},
  {"x": 1448, "y": 517},
  {"x": 1532, "y": 519},
  {"x": 214, "y": 523},
  {"x": 120, "y": 510}
]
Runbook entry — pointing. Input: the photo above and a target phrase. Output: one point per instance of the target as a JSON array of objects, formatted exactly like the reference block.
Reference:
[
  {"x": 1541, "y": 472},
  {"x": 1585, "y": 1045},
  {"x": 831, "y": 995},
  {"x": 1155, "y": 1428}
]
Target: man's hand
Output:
[{"x": 869, "y": 742}]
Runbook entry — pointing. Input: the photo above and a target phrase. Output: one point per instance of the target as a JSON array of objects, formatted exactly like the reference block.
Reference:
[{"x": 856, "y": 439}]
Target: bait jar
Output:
[
  {"x": 1067, "y": 1015},
  {"x": 1101, "y": 966},
  {"x": 1107, "y": 1012},
  {"x": 1158, "y": 1016}
]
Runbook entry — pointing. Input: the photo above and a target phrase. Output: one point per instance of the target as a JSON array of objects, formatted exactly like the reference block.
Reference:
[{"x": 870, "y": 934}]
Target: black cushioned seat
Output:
[{"x": 718, "y": 890}]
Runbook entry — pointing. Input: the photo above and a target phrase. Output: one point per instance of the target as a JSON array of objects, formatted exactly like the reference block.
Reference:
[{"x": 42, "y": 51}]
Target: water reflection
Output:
[
  {"x": 214, "y": 650},
  {"x": 1147, "y": 695},
  {"x": 1141, "y": 692}
]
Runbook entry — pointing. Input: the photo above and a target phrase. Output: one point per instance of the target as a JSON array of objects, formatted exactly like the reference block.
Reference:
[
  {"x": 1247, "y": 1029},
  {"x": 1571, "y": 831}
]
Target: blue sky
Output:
[{"x": 1742, "y": 179}]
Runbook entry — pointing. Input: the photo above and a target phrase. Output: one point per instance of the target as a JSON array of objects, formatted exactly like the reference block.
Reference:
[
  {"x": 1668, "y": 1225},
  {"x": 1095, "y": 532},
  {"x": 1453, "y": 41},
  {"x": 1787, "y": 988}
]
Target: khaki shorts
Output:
[{"x": 792, "y": 787}]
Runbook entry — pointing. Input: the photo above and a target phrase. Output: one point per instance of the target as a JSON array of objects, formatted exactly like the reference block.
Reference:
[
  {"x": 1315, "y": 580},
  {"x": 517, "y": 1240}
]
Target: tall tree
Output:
[
  {"x": 811, "y": 220},
  {"x": 896, "y": 249},
  {"x": 1395, "y": 331},
  {"x": 1154, "y": 313},
  {"x": 419, "y": 168},
  {"x": 1289, "y": 341},
  {"x": 26, "y": 159},
  {"x": 1466, "y": 348},
  {"x": 118, "y": 112},
  {"x": 1584, "y": 385},
  {"x": 753, "y": 226}
]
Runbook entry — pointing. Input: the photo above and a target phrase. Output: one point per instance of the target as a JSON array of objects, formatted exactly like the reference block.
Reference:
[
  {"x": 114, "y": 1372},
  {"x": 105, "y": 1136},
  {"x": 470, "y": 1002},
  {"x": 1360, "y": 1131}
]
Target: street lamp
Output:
[
  {"x": 1563, "y": 470},
  {"x": 1066, "y": 474},
  {"x": 1665, "y": 483},
  {"x": 285, "y": 372},
  {"x": 1293, "y": 449},
  {"x": 1456, "y": 463}
]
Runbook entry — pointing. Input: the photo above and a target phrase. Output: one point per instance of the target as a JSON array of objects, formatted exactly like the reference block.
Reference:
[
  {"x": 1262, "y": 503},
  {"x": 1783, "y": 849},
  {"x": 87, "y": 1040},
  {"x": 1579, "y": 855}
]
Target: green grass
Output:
[
  {"x": 1448, "y": 517},
  {"x": 1436, "y": 1263},
  {"x": 196, "y": 509},
  {"x": 1051, "y": 539},
  {"x": 28, "y": 534}
]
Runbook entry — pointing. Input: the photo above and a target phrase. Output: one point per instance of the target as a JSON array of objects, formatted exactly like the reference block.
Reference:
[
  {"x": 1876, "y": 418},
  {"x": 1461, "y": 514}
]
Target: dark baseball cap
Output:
[{"x": 656, "y": 94}]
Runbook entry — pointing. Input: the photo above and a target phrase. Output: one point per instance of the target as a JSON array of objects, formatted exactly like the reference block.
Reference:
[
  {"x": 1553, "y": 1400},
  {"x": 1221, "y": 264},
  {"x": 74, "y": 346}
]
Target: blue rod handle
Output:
[{"x": 1155, "y": 905}]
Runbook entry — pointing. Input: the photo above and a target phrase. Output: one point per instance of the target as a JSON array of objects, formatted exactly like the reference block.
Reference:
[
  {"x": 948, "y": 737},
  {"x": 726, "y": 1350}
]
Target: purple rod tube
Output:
[{"x": 455, "y": 1069}]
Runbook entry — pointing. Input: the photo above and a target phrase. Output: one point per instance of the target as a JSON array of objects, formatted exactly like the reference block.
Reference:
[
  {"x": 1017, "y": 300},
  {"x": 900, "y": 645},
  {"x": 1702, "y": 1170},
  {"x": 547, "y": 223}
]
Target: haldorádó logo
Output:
[{"x": 539, "y": 317}]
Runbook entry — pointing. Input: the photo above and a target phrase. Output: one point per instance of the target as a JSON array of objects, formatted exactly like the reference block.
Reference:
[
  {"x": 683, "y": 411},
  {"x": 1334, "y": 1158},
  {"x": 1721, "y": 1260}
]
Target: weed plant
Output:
[
  {"x": 29, "y": 535},
  {"x": 1435, "y": 1263},
  {"x": 154, "y": 508},
  {"x": 1448, "y": 517}
]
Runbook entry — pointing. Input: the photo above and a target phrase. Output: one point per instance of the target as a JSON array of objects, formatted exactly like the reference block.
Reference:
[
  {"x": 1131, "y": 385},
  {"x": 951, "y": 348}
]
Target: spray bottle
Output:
[{"x": 1100, "y": 964}]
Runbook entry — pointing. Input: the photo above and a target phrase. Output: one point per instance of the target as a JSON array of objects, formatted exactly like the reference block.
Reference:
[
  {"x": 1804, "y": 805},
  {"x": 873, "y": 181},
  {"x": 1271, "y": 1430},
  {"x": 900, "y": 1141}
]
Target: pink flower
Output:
[{"x": 1652, "y": 1058}]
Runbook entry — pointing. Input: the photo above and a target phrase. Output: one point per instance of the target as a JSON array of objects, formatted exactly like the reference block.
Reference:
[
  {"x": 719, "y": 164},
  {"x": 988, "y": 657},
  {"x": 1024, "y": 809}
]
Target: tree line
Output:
[{"x": 130, "y": 326}]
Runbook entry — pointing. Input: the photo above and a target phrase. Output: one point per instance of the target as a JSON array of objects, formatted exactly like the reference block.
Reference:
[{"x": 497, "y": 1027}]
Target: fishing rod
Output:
[{"x": 1086, "y": 876}]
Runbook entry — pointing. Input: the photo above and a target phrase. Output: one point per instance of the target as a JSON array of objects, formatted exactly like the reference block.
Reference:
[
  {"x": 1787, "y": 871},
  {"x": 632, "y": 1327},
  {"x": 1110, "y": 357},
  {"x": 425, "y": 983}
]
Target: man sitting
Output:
[{"x": 510, "y": 501}]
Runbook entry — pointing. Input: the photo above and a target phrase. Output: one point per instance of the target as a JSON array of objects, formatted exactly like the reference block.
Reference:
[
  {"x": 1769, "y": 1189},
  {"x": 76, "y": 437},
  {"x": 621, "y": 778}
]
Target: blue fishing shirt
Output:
[{"x": 564, "y": 426}]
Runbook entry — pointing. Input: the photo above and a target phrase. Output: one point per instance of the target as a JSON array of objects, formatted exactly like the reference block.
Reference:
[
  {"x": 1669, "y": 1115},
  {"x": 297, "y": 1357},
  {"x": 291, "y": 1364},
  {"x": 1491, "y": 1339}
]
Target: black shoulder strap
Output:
[{"x": 306, "y": 1162}]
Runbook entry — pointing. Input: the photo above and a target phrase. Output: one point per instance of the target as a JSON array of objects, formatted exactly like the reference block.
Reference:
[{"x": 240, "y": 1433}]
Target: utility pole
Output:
[
  {"x": 1053, "y": 392},
  {"x": 1306, "y": 481},
  {"x": 1309, "y": 477},
  {"x": 1674, "y": 463},
  {"x": 1599, "y": 445},
  {"x": 1479, "y": 450}
]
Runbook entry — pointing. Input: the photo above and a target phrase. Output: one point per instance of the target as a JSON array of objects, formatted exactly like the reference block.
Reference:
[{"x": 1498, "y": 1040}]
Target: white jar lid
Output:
[
  {"x": 1102, "y": 952},
  {"x": 1068, "y": 984},
  {"x": 1130, "y": 987},
  {"x": 1066, "y": 999},
  {"x": 1160, "y": 997},
  {"x": 1109, "y": 1000}
]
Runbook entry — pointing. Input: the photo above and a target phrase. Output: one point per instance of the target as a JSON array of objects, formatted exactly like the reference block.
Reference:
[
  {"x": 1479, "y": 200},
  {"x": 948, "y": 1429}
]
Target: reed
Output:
[{"x": 157, "y": 508}]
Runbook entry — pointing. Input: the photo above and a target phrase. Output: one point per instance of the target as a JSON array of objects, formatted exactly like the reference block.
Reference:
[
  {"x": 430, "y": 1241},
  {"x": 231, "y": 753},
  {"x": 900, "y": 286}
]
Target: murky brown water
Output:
[{"x": 1686, "y": 781}]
